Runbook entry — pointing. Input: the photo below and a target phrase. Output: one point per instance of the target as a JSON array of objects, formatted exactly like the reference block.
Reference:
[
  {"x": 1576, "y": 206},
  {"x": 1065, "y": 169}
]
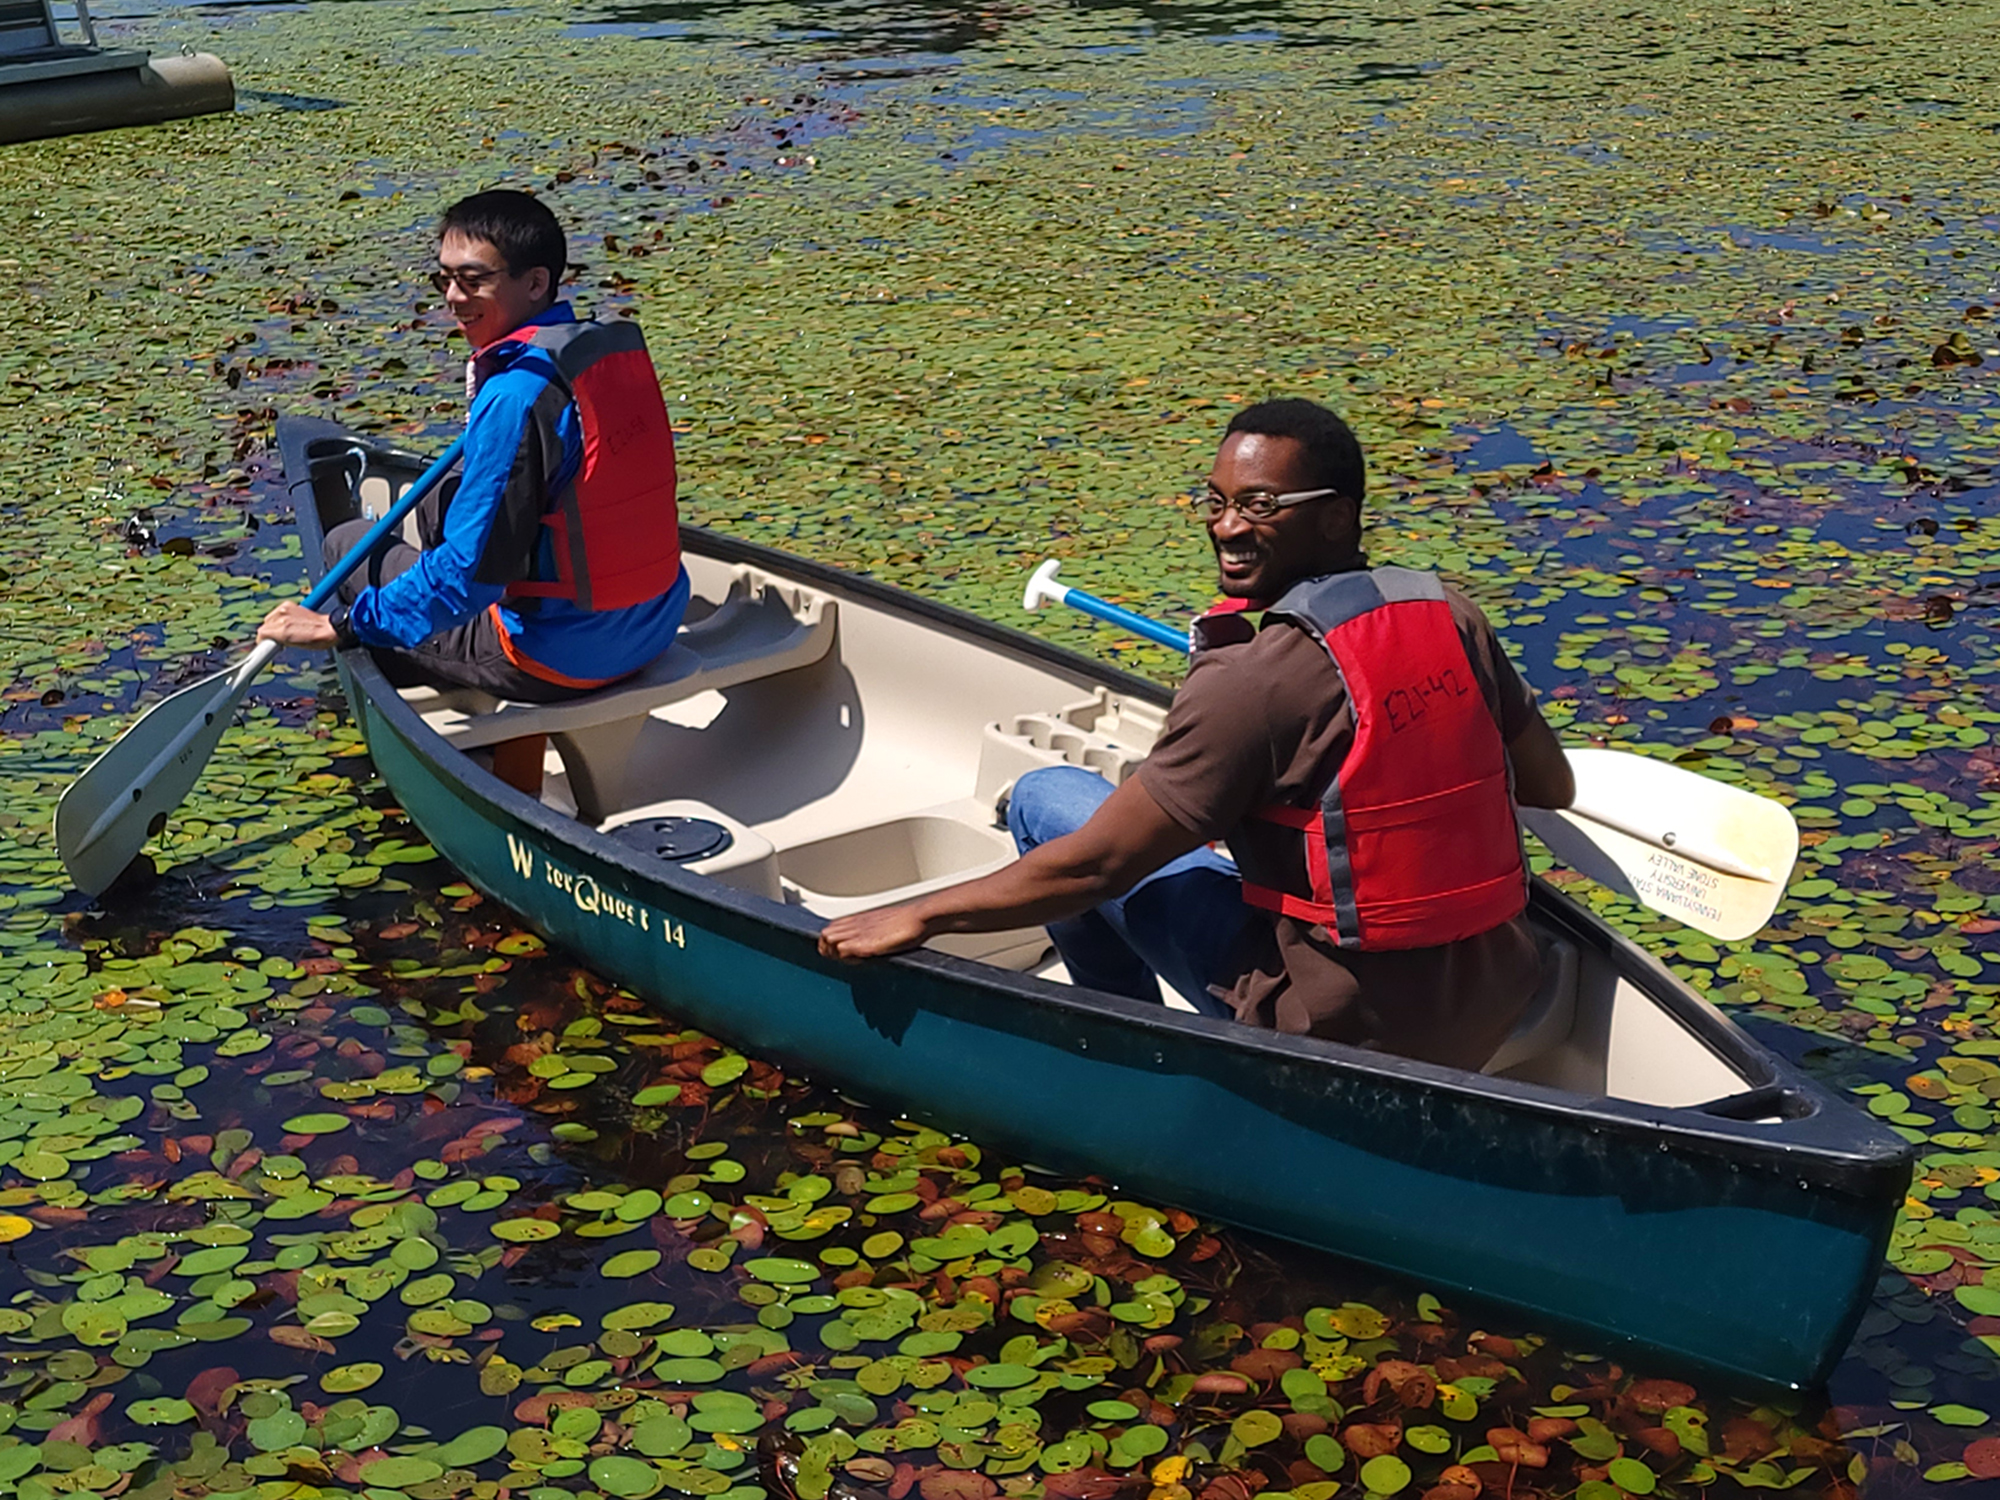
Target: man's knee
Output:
[
  {"x": 338, "y": 542},
  {"x": 1050, "y": 802}
]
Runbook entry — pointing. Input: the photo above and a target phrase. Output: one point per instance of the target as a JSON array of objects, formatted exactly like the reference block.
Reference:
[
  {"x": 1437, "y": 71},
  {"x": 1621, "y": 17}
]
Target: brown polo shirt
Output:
[{"x": 1268, "y": 721}]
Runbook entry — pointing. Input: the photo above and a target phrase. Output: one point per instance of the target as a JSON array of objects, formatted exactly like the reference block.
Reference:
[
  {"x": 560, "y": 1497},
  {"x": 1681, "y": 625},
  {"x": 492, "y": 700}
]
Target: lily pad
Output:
[
  {"x": 628, "y": 1263},
  {"x": 347, "y": 1379},
  {"x": 626, "y": 1478},
  {"x": 525, "y": 1231},
  {"x": 400, "y": 1473}
]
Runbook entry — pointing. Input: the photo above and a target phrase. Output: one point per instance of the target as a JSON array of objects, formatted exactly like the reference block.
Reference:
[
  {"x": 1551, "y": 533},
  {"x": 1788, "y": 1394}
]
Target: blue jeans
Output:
[{"x": 1178, "y": 924}]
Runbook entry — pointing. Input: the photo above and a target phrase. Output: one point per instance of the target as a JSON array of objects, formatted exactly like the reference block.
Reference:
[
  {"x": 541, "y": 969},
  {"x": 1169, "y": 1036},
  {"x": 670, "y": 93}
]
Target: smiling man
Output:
[
  {"x": 553, "y": 566},
  {"x": 1361, "y": 754}
]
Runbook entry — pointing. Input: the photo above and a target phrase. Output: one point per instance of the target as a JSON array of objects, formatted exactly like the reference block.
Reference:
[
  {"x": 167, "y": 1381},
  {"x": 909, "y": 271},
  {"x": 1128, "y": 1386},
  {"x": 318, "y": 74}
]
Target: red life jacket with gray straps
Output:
[
  {"x": 615, "y": 527},
  {"x": 1413, "y": 843}
]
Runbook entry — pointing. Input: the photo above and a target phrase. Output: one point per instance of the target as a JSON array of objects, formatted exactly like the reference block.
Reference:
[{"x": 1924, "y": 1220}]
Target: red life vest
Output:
[
  {"x": 1414, "y": 842},
  {"x": 617, "y": 539}
]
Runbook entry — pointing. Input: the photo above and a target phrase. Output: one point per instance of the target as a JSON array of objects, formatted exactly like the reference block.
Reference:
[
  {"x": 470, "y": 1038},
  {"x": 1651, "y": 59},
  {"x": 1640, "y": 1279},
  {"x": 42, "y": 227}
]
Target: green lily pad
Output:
[
  {"x": 1631, "y": 1476},
  {"x": 207, "y": 1262},
  {"x": 281, "y": 1429},
  {"x": 524, "y": 1231},
  {"x": 160, "y": 1411},
  {"x": 626, "y": 1478},
  {"x": 782, "y": 1272},
  {"x": 661, "y": 1436},
  {"x": 345, "y": 1380},
  {"x": 639, "y": 1315},
  {"x": 638, "y": 1205},
  {"x": 689, "y": 1372},
  {"x": 473, "y": 1446},
  {"x": 628, "y": 1263},
  {"x": 1255, "y": 1428},
  {"x": 998, "y": 1376},
  {"x": 400, "y": 1473},
  {"x": 94, "y": 1324},
  {"x": 1385, "y": 1474}
]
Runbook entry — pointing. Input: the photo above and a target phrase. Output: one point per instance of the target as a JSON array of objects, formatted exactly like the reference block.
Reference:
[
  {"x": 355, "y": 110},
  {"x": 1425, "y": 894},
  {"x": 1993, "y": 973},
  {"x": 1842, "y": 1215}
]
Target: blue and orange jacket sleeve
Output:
[{"x": 491, "y": 528}]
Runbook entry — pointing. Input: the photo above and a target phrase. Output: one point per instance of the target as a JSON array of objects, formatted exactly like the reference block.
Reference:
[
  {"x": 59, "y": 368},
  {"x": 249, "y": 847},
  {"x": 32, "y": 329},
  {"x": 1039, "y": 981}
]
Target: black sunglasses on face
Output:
[{"x": 467, "y": 280}]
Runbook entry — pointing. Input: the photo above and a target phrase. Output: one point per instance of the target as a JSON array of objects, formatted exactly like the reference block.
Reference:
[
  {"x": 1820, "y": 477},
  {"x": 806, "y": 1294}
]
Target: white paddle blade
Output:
[
  {"x": 1711, "y": 855},
  {"x": 124, "y": 796}
]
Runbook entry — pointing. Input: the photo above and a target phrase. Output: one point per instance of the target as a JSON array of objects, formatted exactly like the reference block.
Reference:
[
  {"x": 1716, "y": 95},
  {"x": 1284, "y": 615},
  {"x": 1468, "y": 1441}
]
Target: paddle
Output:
[
  {"x": 1705, "y": 853},
  {"x": 1043, "y": 588},
  {"x": 124, "y": 796}
]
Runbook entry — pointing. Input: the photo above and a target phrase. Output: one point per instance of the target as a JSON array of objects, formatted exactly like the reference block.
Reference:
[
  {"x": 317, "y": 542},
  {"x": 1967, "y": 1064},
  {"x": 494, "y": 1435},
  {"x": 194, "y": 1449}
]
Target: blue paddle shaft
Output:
[
  {"x": 1111, "y": 614},
  {"x": 383, "y": 529}
]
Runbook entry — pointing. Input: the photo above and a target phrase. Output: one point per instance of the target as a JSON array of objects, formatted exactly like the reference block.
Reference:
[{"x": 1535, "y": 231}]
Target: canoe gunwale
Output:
[{"x": 1841, "y": 1151}]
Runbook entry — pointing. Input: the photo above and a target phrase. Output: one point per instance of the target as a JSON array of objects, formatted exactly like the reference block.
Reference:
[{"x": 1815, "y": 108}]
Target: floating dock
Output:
[{"x": 51, "y": 87}]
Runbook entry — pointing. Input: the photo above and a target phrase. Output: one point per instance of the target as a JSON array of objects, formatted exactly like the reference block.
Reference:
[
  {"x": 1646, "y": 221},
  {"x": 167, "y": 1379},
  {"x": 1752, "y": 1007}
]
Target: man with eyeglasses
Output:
[
  {"x": 1377, "y": 887},
  {"x": 552, "y": 567}
]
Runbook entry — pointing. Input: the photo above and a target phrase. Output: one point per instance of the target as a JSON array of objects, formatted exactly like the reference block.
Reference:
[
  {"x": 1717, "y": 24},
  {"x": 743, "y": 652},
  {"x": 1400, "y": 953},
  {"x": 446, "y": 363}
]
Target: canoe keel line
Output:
[{"x": 1739, "y": 1230}]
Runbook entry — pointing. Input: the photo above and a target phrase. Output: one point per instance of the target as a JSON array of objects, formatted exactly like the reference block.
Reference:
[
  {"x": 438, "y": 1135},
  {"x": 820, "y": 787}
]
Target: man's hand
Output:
[
  {"x": 1126, "y": 839},
  {"x": 873, "y": 934},
  {"x": 295, "y": 625}
]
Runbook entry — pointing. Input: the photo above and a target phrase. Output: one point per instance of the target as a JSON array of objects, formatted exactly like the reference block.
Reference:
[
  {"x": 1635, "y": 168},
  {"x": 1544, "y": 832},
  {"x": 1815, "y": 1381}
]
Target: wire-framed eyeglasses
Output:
[{"x": 1252, "y": 505}]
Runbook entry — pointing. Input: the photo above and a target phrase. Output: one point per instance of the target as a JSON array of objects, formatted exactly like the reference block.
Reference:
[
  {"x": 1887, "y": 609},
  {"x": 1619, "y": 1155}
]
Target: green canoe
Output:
[{"x": 1632, "y": 1167}]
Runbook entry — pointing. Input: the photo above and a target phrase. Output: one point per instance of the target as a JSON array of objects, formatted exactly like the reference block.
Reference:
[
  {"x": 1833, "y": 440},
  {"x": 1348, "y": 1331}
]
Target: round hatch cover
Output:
[{"x": 677, "y": 840}]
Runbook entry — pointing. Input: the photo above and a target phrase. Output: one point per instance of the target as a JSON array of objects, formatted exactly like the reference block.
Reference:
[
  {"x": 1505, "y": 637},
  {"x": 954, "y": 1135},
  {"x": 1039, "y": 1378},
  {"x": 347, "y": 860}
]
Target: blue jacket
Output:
[{"x": 493, "y": 536}]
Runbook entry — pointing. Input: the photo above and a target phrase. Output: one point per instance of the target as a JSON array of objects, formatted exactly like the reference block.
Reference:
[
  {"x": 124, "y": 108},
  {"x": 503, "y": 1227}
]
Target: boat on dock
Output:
[
  {"x": 51, "y": 85},
  {"x": 1631, "y": 1167}
]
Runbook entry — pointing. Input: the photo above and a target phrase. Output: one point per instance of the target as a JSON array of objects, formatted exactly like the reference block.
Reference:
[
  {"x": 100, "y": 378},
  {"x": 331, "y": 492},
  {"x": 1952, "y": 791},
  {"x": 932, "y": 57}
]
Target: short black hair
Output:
[
  {"x": 1333, "y": 455},
  {"x": 518, "y": 225}
]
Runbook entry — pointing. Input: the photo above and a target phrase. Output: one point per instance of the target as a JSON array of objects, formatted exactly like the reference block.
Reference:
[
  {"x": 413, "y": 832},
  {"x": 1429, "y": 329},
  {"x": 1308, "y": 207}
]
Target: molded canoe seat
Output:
[
  {"x": 1550, "y": 1016},
  {"x": 761, "y": 629}
]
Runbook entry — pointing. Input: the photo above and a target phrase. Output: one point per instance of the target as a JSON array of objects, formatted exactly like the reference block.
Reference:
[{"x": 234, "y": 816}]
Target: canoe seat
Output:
[
  {"x": 1550, "y": 1016},
  {"x": 760, "y": 629}
]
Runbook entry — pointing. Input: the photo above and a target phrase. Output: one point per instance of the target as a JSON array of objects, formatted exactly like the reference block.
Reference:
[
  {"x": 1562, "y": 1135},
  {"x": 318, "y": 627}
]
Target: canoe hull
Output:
[
  {"x": 1743, "y": 1237},
  {"x": 1625, "y": 1223}
]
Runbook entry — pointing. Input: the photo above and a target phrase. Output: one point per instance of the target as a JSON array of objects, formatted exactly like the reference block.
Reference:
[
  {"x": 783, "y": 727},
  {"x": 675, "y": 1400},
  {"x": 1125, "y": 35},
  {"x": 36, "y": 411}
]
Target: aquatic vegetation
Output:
[{"x": 1671, "y": 338}]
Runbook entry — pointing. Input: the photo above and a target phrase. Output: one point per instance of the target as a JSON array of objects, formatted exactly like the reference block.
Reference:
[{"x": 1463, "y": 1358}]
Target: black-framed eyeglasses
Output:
[
  {"x": 468, "y": 281},
  {"x": 1254, "y": 505}
]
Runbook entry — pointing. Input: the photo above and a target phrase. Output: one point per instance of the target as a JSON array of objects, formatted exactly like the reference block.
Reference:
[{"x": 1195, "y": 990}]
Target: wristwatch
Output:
[{"x": 344, "y": 637}]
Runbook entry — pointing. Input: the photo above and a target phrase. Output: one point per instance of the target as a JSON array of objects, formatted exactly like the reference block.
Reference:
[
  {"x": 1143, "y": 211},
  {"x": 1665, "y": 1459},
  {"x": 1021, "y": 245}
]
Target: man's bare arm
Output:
[
  {"x": 1126, "y": 839},
  {"x": 1542, "y": 775}
]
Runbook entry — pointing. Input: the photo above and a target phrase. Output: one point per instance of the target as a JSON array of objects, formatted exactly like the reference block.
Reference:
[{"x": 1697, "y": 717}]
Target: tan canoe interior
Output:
[{"x": 859, "y": 758}]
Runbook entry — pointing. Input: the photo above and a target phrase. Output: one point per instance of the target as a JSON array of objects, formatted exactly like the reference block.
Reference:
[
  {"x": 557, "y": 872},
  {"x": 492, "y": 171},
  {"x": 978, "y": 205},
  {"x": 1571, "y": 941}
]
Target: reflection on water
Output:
[{"x": 867, "y": 27}]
